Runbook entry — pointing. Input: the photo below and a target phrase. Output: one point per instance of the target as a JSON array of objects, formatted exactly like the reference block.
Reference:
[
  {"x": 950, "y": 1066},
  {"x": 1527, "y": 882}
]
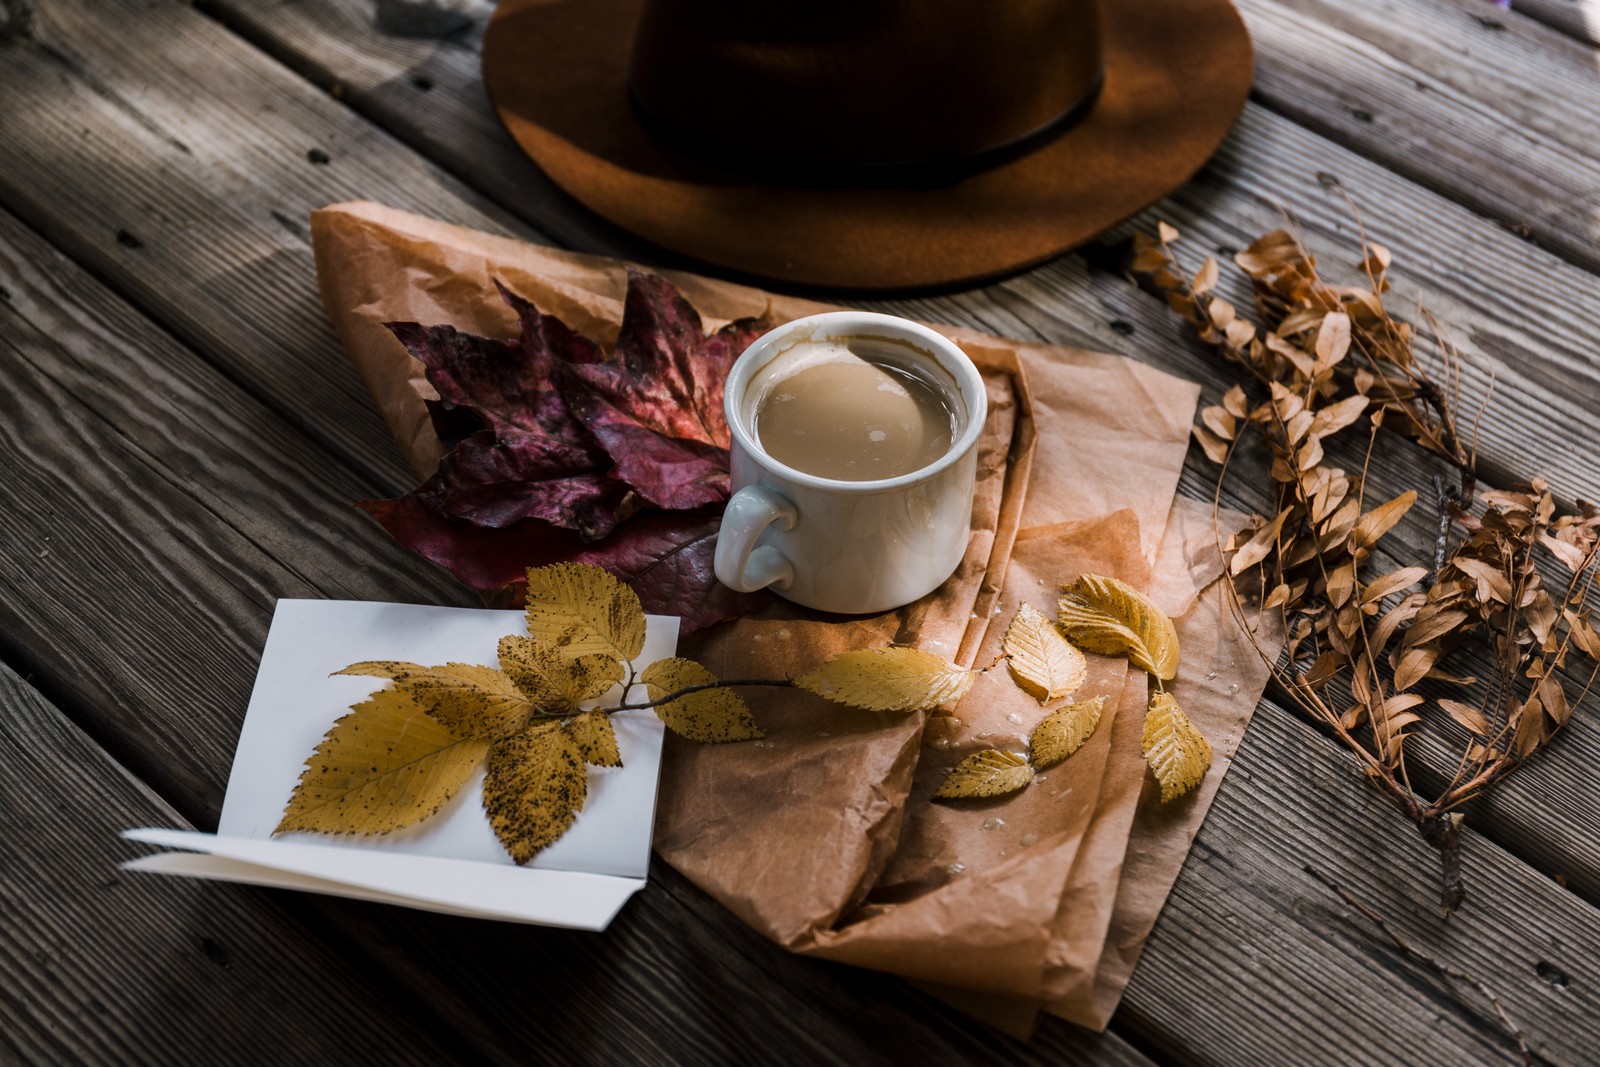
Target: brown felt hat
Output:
[{"x": 868, "y": 144}]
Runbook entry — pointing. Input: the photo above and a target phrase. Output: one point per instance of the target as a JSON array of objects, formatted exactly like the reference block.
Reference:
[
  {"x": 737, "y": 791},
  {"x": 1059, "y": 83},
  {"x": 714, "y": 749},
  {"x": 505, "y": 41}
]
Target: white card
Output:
[{"x": 451, "y": 862}]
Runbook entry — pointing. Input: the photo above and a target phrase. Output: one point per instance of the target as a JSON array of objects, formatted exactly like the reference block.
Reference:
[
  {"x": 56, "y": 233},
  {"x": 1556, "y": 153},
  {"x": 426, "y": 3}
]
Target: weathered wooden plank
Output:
[
  {"x": 642, "y": 974},
  {"x": 100, "y": 967},
  {"x": 1491, "y": 109},
  {"x": 111, "y": 478},
  {"x": 182, "y": 164},
  {"x": 191, "y": 508},
  {"x": 1221, "y": 938}
]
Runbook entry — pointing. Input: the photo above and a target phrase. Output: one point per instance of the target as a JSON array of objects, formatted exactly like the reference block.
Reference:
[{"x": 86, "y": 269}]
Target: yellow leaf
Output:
[
  {"x": 1167, "y": 232},
  {"x": 889, "y": 679},
  {"x": 470, "y": 700},
  {"x": 711, "y": 716},
  {"x": 1041, "y": 660},
  {"x": 1178, "y": 754},
  {"x": 554, "y": 679},
  {"x": 1215, "y": 448},
  {"x": 1063, "y": 732},
  {"x": 596, "y": 739},
  {"x": 384, "y": 766},
  {"x": 1110, "y": 617},
  {"x": 535, "y": 788},
  {"x": 990, "y": 773},
  {"x": 584, "y": 609}
]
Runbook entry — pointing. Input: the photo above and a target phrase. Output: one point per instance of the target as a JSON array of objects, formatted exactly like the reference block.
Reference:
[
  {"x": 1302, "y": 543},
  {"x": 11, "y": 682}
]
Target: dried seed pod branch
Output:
[{"x": 1359, "y": 647}]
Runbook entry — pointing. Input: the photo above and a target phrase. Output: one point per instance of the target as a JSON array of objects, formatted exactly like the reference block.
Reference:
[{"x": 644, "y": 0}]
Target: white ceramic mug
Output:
[{"x": 846, "y": 546}]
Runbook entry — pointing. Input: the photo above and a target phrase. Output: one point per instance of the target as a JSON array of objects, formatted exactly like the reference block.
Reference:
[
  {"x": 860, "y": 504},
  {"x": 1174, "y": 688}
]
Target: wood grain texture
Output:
[
  {"x": 1064, "y": 301},
  {"x": 168, "y": 507},
  {"x": 1494, "y": 110},
  {"x": 102, "y": 967},
  {"x": 182, "y": 164},
  {"x": 645, "y": 976}
]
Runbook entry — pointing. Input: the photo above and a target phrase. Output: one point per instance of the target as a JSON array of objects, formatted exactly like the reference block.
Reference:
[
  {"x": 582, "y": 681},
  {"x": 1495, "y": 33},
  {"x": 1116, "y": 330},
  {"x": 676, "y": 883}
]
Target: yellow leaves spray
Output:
[{"x": 399, "y": 756}]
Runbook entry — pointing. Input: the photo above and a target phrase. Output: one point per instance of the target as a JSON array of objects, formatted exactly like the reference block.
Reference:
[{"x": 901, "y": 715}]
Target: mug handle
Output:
[{"x": 740, "y": 564}]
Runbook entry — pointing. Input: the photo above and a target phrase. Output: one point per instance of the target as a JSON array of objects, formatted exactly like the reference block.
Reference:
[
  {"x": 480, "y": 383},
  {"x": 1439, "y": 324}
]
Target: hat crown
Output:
[{"x": 862, "y": 84}]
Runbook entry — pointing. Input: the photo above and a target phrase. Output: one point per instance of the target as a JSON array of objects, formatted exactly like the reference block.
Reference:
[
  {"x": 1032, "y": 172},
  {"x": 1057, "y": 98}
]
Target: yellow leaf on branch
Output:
[
  {"x": 385, "y": 765},
  {"x": 711, "y": 716},
  {"x": 596, "y": 738},
  {"x": 1107, "y": 616},
  {"x": 554, "y": 678},
  {"x": 534, "y": 789},
  {"x": 584, "y": 609},
  {"x": 1063, "y": 732},
  {"x": 889, "y": 679},
  {"x": 990, "y": 773},
  {"x": 1175, "y": 749},
  {"x": 1041, "y": 660}
]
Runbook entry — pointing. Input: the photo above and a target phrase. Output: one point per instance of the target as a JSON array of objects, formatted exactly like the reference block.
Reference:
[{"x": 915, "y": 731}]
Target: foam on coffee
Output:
[{"x": 854, "y": 409}]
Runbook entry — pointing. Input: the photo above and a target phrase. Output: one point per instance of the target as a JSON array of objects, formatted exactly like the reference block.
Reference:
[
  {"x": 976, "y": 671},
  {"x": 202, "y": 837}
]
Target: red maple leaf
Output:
[{"x": 560, "y": 450}]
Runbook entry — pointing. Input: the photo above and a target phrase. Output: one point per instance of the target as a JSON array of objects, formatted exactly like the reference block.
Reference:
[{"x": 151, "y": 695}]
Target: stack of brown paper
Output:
[{"x": 822, "y": 836}]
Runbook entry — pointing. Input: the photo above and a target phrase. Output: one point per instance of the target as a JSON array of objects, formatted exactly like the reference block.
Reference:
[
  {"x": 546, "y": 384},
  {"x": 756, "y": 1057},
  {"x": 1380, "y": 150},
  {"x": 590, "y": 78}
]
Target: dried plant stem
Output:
[
  {"x": 1443, "y": 969},
  {"x": 731, "y": 683}
]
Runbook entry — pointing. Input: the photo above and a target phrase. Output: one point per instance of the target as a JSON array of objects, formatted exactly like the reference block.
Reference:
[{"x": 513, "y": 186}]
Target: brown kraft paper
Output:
[{"x": 820, "y": 835}]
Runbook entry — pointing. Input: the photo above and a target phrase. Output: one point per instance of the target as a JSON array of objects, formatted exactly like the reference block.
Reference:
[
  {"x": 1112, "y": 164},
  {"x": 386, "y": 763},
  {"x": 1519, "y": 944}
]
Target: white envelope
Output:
[{"x": 451, "y": 862}]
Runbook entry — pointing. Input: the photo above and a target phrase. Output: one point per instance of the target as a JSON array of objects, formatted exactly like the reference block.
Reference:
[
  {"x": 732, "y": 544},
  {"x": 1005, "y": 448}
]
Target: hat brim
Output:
[{"x": 1177, "y": 75}]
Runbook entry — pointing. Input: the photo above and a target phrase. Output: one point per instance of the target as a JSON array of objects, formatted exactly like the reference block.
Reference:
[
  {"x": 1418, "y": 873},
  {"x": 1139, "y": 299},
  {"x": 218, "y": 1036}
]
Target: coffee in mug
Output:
[
  {"x": 855, "y": 452},
  {"x": 856, "y": 409}
]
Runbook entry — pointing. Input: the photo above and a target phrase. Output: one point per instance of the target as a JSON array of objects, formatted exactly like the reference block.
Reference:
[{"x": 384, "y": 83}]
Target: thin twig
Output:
[{"x": 1444, "y": 969}]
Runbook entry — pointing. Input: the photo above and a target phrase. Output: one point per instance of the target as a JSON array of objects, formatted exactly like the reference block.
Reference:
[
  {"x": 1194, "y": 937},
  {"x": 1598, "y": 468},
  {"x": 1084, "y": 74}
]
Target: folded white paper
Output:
[{"x": 451, "y": 862}]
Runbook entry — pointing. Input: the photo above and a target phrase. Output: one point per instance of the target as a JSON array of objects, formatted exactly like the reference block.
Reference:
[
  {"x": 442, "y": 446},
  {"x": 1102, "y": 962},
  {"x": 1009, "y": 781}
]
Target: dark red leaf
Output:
[
  {"x": 554, "y": 444},
  {"x": 499, "y": 481}
]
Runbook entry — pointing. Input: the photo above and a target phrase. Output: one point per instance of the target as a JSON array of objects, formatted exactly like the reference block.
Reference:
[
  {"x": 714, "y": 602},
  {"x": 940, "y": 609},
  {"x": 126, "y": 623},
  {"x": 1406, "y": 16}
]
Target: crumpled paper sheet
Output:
[{"x": 820, "y": 835}]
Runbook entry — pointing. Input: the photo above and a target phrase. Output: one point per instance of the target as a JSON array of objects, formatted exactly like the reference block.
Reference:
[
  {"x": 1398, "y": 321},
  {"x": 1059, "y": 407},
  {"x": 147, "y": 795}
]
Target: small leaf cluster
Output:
[
  {"x": 1109, "y": 617},
  {"x": 398, "y": 757}
]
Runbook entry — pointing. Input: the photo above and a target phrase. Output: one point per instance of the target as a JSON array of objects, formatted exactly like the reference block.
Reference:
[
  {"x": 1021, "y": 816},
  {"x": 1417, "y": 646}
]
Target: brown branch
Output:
[{"x": 1443, "y": 969}]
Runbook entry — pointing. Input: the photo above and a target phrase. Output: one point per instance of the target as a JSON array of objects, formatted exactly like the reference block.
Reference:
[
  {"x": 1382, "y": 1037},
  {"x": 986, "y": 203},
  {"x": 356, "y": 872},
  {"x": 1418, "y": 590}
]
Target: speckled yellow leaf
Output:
[
  {"x": 535, "y": 787},
  {"x": 384, "y": 766},
  {"x": 551, "y": 677},
  {"x": 469, "y": 699},
  {"x": 1040, "y": 659},
  {"x": 1063, "y": 732},
  {"x": 1104, "y": 615},
  {"x": 711, "y": 716},
  {"x": 584, "y": 609},
  {"x": 1178, "y": 754},
  {"x": 592, "y": 732},
  {"x": 889, "y": 679},
  {"x": 990, "y": 773}
]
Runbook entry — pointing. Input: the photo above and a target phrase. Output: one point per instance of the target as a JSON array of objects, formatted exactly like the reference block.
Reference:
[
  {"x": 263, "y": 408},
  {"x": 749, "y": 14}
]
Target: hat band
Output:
[{"x": 789, "y": 169}]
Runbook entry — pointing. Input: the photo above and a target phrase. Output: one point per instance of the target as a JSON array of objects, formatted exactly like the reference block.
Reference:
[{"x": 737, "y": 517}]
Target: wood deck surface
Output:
[{"x": 181, "y": 438}]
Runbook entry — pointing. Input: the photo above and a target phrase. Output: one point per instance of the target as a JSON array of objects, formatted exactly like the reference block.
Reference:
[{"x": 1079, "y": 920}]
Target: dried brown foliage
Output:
[{"x": 1508, "y": 575}]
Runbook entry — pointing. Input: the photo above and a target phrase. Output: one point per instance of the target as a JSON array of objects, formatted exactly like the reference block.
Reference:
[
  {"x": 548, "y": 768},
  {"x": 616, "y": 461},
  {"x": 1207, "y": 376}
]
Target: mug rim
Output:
[{"x": 834, "y": 324}]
